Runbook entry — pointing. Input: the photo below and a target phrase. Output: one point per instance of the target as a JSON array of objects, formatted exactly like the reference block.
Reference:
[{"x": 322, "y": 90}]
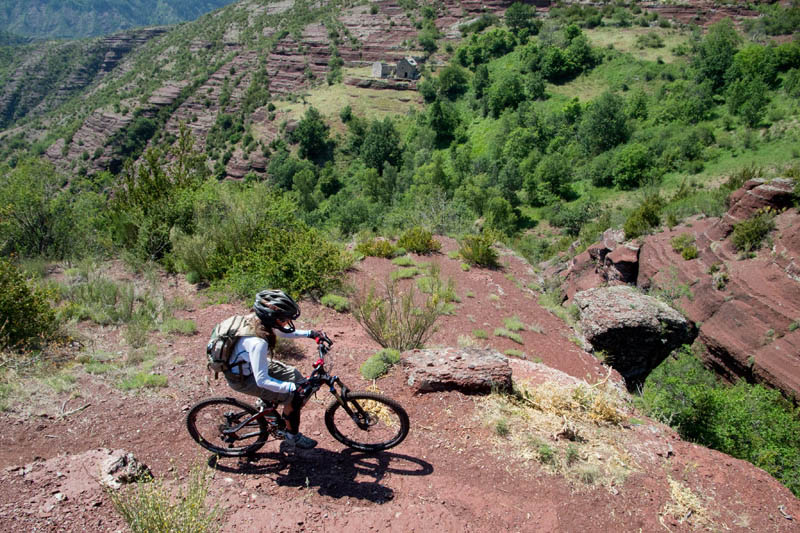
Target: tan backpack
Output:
[{"x": 223, "y": 339}]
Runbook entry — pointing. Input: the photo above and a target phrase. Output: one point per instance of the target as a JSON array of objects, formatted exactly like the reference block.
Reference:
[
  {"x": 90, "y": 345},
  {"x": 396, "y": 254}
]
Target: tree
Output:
[
  {"x": 452, "y": 82},
  {"x": 480, "y": 81},
  {"x": 550, "y": 180},
  {"x": 507, "y": 91},
  {"x": 631, "y": 164},
  {"x": 748, "y": 99},
  {"x": 520, "y": 17},
  {"x": 443, "y": 120},
  {"x": 381, "y": 145},
  {"x": 715, "y": 52},
  {"x": 312, "y": 136},
  {"x": 603, "y": 125}
]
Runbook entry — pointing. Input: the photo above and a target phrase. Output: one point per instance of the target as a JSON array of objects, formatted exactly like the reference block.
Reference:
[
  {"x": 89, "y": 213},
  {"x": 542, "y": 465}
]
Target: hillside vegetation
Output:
[
  {"x": 539, "y": 129},
  {"x": 70, "y": 19}
]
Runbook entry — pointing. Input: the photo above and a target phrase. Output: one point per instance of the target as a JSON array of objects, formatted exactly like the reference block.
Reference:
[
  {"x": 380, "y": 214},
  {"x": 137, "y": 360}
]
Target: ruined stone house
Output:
[
  {"x": 407, "y": 69},
  {"x": 382, "y": 70}
]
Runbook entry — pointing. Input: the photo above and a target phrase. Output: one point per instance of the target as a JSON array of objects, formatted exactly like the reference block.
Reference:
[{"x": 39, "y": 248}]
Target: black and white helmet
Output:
[{"x": 273, "y": 305}]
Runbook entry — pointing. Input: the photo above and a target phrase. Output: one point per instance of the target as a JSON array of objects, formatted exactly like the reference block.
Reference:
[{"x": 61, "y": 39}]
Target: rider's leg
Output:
[{"x": 291, "y": 413}]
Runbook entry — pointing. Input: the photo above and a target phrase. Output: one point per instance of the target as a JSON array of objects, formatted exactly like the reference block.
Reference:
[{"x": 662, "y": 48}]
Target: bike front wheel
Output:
[
  {"x": 367, "y": 421},
  {"x": 208, "y": 421}
]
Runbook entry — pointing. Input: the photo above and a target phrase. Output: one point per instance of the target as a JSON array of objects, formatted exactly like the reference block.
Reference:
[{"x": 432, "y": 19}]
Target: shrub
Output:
[
  {"x": 299, "y": 259},
  {"x": 27, "y": 317},
  {"x": 477, "y": 250},
  {"x": 644, "y": 218},
  {"x": 334, "y": 301},
  {"x": 684, "y": 245},
  {"x": 377, "y": 248},
  {"x": 679, "y": 242},
  {"x": 513, "y": 323},
  {"x": 419, "y": 241},
  {"x": 689, "y": 253},
  {"x": 150, "y": 507},
  {"x": 395, "y": 320},
  {"x": 748, "y": 235},
  {"x": 380, "y": 363},
  {"x": 502, "y": 332},
  {"x": 746, "y": 421}
]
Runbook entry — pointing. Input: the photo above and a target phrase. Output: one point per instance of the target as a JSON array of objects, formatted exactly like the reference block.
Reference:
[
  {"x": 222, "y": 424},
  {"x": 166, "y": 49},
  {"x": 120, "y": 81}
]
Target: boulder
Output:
[
  {"x": 120, "y": 468},
  {"x": 636, "y": 332},
  {"x": 468, "y": 370}
]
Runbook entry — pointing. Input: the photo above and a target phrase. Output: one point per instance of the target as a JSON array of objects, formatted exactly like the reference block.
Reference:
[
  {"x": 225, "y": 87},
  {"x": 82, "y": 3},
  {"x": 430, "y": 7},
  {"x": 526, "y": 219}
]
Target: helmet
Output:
[{"x": 273, "y": 305}]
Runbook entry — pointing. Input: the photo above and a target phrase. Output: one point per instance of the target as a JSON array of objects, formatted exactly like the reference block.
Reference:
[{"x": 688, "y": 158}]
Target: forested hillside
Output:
[{"x": 70, "y": 19}]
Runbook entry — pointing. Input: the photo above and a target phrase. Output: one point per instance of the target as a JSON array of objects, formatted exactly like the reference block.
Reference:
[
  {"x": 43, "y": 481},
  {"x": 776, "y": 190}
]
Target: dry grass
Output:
[
  {"x": 372, "y": 103},
  {"x": 685, "y": 506},
  {"x": 624, "y": 40},
  {"x": 573, "y": 431}
]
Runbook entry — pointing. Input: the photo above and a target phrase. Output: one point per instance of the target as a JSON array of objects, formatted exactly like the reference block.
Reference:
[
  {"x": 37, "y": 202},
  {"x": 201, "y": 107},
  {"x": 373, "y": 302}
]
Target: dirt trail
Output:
[{"x": 453, "y": 473}]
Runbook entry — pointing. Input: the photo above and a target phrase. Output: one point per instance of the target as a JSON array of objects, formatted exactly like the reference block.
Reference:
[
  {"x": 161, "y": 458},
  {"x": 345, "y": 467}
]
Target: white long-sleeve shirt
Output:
[{"x": 255, "y": 353}]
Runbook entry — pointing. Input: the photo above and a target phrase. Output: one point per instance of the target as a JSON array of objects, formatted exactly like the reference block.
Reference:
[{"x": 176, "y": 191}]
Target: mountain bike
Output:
[{"x": 365, "y": 421}]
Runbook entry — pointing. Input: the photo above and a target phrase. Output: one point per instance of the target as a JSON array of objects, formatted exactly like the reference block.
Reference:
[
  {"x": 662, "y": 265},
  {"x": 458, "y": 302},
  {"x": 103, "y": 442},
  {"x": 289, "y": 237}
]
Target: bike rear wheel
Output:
[
  {"x": 208, "y": 419},
  {"x": 376, "y": 423}
]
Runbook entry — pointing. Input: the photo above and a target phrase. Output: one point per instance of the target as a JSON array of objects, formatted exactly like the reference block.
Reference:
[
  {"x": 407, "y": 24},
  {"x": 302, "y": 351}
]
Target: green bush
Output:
[
  {"x": 27, "y": 318},
  {"x": 298, "y": 259},
  {"x": 749, "y": 235},
  {"x": 644, "y": 218},
  {"x": 380, "y": 363},
  {"x": 684, "y": 245},
  {"x": 477, "y": 250},
  {"x": 679, "y": 242},
  {"x": 400, "y": 321},
  {"x": 376, "y": 248},
  {"x": 334, "y": 301},
  {"x": 419, "y": 241},
  {"x": 746, "y": 421},
  {"x": 689, "y": 252}
]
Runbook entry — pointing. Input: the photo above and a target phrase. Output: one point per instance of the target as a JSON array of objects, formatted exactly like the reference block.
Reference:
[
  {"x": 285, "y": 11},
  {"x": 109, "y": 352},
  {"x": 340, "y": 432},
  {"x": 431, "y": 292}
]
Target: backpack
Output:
[{"x": 223, "y": 339}]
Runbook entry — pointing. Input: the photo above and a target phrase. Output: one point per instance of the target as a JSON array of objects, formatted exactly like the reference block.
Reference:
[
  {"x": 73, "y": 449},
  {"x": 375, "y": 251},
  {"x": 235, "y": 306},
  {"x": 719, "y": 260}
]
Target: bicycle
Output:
[{"x": 365, "y": 421}]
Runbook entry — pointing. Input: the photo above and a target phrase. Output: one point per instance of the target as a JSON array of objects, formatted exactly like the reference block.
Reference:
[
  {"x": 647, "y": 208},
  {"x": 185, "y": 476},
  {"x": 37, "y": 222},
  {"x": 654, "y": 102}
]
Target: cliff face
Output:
[{"x": 747, "y": 307}]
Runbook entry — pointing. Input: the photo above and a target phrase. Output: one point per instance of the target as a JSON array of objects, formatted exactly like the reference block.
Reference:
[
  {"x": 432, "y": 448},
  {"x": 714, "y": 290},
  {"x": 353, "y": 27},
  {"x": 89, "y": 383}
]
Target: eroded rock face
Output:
[
  {"x": 747, "y": 309},
  {"x": 469, "y": 370},
  {"x": 636, "y": 331}
]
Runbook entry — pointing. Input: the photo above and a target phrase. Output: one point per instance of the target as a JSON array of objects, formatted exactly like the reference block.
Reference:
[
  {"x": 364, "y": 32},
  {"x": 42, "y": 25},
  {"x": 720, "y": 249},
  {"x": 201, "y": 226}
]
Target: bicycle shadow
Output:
[{"x": 334, "y": 474}]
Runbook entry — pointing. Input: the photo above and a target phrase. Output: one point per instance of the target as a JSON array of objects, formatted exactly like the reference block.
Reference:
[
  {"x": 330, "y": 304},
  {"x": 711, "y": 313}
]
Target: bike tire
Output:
[
  {"x": 207, "y": 418},
  {"x": 389, "y": 423}
]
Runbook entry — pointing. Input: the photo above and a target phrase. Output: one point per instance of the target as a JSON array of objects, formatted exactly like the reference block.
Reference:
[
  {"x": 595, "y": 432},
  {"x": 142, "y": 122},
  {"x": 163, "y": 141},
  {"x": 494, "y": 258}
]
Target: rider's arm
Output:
[
  {"x": 298, "y": 333},
  {"x": 259, "y": 362}
]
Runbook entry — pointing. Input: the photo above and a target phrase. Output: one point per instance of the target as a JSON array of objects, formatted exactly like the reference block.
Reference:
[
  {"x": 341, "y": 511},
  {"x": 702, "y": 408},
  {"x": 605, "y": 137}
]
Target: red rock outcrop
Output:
[
  {"x": 469, "y": 370},
  {"x": 747, "y": 307}
]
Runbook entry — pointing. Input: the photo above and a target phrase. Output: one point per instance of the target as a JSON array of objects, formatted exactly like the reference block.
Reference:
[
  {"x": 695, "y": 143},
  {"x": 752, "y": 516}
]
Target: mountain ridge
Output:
[{"x": 71, "y": 19}]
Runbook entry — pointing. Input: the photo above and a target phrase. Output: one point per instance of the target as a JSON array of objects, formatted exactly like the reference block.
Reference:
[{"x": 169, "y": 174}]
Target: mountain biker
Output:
[{"x": 255, "y": 373}]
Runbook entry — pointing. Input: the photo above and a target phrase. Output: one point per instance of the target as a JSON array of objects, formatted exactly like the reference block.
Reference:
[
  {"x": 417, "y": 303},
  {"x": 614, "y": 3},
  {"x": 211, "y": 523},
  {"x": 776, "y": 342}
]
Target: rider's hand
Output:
[
  {"x": 320, "y": 337},
  {"x": 303, "y": 389}
]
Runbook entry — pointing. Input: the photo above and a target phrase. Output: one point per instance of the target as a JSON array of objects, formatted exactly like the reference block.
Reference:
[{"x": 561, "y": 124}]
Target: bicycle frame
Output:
[{"x": 318, "y": 377}]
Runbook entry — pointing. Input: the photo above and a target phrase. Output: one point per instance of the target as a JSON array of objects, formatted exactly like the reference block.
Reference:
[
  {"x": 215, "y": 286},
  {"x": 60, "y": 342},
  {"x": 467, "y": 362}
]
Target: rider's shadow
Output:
[{"x": 348, "y": 473}]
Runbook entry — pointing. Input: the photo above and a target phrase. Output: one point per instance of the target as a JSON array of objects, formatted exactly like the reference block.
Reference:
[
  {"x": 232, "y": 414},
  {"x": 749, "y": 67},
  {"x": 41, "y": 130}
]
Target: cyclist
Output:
[{"x": 254, "y": 372}]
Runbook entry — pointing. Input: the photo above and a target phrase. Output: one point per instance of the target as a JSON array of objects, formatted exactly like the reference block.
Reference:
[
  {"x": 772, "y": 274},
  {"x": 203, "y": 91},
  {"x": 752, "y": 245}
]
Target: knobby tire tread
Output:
[
  {"x": 330, "y": 423},
  {"x": 225, "y": 452}
]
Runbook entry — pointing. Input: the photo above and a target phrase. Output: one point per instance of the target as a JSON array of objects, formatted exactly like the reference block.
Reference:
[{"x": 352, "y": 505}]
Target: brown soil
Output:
[{"x": 453, "y": 473}]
